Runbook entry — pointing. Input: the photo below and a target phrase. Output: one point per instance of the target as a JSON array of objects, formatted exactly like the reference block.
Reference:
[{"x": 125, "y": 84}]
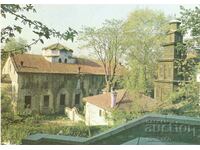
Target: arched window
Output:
[
  {"x": 65, "y": 60},
  {"x": 59, "y": 60},
  {"x": 62, "y": 99}
]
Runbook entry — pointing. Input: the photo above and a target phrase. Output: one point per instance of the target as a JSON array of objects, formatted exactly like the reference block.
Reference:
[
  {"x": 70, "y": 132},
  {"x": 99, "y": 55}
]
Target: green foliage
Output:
[
  {"x": 20, "y": 127},
  {"x": 190, "y": 23},
  {"x": 184, "y": 65},
  {"x": 186, "y": 97},
  {"x": 14, "y": 46},
  {"x": 185, "y": 100},
  {"x": 16, "y": 127},
  {"x": 144, "y": 32},
  {"x": 190, "y": 20},
  {"x": 6, "y": 105},
  {"x": 107, "y": 43},
  {"x": 41, "y": 30},
  {"x": 120, "y": 116}
]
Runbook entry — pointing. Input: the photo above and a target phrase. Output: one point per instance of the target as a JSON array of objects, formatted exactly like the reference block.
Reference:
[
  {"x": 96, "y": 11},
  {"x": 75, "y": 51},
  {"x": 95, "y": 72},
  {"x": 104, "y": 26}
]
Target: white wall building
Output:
[
  {"x": 98, "y": 108},
  {"x": 58, "y": 53}
]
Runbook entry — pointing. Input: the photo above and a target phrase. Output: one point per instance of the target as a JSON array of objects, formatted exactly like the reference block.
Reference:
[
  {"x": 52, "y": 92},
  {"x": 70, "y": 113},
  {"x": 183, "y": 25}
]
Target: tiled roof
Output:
[
  {"x": 57, "y": 46},
  {"x": 38, "y": 64},
  {"x": 104, "y": 100},
  {"x": 125, "y": 100}
]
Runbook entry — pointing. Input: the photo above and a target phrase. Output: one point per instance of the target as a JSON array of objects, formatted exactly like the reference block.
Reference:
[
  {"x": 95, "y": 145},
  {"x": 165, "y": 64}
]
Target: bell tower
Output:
[{"x": 167, "y": 77}]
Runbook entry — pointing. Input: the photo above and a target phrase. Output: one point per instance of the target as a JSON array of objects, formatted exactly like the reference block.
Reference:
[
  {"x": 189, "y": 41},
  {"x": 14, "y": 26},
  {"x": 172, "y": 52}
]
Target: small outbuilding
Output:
[{"x": 99, "y": 108}]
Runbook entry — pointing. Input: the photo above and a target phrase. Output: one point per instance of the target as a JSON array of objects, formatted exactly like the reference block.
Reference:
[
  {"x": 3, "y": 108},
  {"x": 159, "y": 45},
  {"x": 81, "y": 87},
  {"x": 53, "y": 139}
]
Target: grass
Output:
[{"x": 14, "y": 129}]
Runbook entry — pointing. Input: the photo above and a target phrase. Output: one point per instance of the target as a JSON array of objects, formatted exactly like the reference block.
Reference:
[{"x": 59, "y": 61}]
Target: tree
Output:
[
  {"x": 145, "y": 31},
  {"x": 119, "y": 116},
  {"x": 185, "y": 100},
  {"x": 14, "y": 46},
  {"x": 190, "y": 20},
  {"x": 107, "y": 44},
  {"x": 187, "y": 94},
  {"x": 38, "y": 28}
]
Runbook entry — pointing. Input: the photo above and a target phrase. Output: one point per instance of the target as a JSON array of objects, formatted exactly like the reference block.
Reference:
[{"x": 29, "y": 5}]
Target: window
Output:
[
  {"x": 45, "y": 85},
  {"x": 62, "y": 99},
  {"x": 100, "y": 112},
  {"x": 59, "y": 60},
  {"x": 90, "y": 94},
  {"x": 65, "y": 60},
  {"x": 46, "y": 101},
  {"x": 27, "y": 102},
  {"x": 77, "y": 99}
]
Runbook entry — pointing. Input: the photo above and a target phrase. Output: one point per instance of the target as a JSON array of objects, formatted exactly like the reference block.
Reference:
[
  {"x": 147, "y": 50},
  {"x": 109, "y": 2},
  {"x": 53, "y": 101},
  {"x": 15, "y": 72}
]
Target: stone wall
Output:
[
  {"x": 162, "y": 90},
  {"x": 53, "y": 85}
]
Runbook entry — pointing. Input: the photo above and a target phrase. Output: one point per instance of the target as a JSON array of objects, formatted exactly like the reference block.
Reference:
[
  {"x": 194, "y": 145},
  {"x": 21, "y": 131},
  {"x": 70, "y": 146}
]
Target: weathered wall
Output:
[
  {"x": 10, "y": 70},
  {"x": 162, "y": 90},
  {"x": 55, "y": 55},
  {"x": 37, "y": 85},
  {"x": 92, "y": 116},
  {"x": 167, "y": 72}
]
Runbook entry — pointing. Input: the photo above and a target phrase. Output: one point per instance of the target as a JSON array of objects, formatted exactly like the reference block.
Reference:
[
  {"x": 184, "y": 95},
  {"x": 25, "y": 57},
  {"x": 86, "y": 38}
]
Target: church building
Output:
[{"x": 50, "y": 82}]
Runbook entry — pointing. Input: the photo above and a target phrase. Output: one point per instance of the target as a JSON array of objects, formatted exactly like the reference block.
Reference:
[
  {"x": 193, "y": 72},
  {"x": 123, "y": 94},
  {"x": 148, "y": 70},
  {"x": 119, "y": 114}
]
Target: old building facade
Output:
[
  {"x": 99, "y": 108},
  {"x": 167, "y": 76},
  {"x": 50, "y": 82}
]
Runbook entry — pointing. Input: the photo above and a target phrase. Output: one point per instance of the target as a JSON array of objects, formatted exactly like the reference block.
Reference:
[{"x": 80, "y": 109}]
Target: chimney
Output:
[{"x": 113, "y": 98}]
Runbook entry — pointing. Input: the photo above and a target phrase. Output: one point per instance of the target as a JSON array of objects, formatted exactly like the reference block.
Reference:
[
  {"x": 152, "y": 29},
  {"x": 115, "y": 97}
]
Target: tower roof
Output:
[
  {"x": 57, "y": 46},
  {"x": 175, "y": 21}
]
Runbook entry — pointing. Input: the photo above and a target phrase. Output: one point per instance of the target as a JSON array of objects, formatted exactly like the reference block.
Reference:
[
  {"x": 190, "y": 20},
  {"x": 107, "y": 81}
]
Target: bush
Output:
[
  {"x": 19, "y": 127},
  {"x": 6, "y": 103},
  {"x": 14, "y": 127}
]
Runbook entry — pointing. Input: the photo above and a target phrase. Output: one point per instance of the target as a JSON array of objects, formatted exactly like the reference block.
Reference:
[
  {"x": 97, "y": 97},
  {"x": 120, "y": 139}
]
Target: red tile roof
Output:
[
  {"x": 104, "y": 100},
  {"x": 125, "y": 100},
  {"x": 38, "y": 64}
]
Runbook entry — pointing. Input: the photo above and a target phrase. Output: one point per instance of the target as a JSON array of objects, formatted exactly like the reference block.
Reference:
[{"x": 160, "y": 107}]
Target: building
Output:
[
  {"x": 50, "y": 82},
  {"x": 167, "y": 77},
  {"x": 98, "y": 108}
]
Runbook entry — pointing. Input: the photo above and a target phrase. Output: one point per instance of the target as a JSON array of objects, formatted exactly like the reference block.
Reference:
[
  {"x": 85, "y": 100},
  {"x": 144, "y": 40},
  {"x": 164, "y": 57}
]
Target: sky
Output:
[{"x": 60, "y": 17}]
